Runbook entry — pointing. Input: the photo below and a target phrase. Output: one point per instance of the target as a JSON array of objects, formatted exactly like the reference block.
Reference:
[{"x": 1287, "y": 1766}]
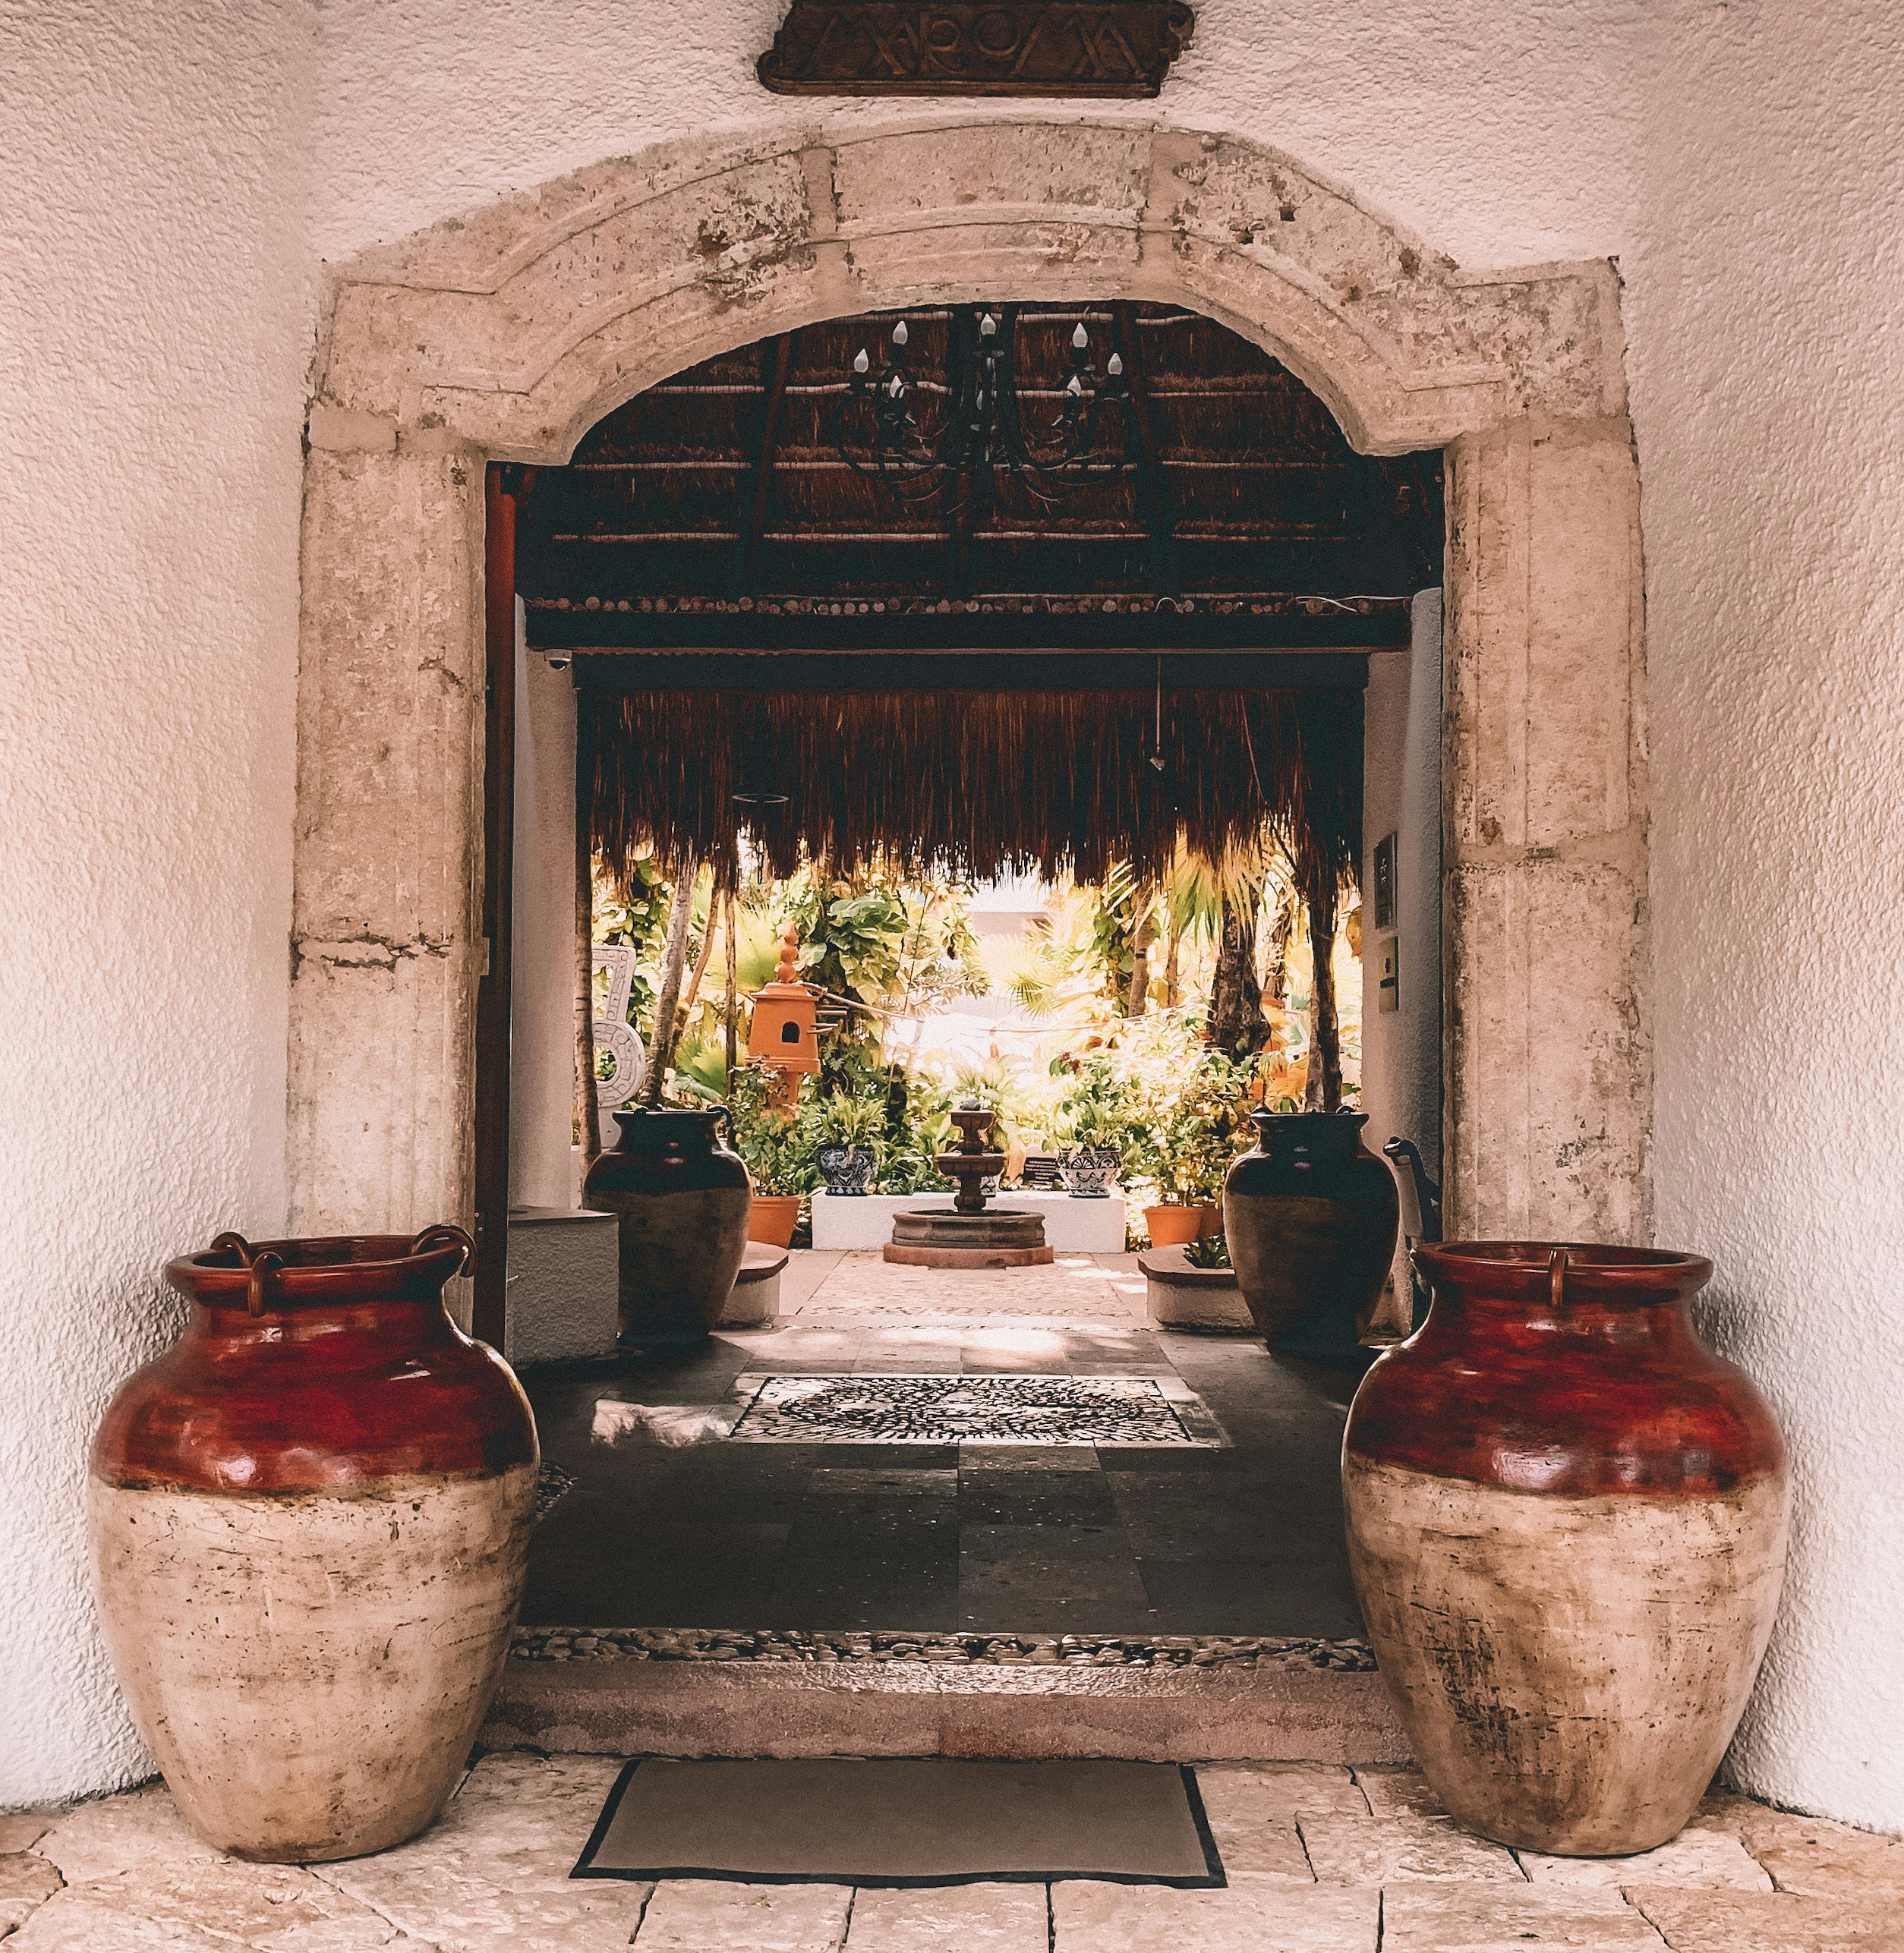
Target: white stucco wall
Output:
[
  {"x": 542, "y": 974},
  {"x": 1766, "y": 317},
  {"x": 171, "y": 176},
  {"x": 153, "y": 317},
  {"x": 1401, "y": 795}
]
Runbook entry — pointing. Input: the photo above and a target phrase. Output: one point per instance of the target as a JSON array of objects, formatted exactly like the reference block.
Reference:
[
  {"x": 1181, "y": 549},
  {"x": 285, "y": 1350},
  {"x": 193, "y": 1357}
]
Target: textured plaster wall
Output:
[
  {"x": 1765, "y": 290},
  {"x": 154, "y": 322},
  {"x": 1504, "y": 135}
]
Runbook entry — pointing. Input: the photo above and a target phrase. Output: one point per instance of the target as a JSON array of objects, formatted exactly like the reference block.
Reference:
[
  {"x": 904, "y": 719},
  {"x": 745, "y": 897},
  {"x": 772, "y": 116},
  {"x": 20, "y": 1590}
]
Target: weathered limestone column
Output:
[
  {"x": 385, "y": 957},
  {"x": 1549, "y": 1059}
]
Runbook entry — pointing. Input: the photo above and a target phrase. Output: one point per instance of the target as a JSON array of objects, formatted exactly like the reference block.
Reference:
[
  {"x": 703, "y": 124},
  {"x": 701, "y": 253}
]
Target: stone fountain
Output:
[{"x": 970, "y": 1235}]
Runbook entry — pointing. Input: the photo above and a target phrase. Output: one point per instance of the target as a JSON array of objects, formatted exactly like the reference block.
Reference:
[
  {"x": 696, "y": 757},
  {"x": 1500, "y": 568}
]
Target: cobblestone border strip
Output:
[{"x": 1075, "y": 1651}]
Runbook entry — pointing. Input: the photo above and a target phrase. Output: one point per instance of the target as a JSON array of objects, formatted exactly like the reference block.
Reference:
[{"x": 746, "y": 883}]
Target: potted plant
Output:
[
  {"x": 769, "y": 1136},
  {"x": 1095, "y": 1156},
  {"x": 848, "y": 1137}
]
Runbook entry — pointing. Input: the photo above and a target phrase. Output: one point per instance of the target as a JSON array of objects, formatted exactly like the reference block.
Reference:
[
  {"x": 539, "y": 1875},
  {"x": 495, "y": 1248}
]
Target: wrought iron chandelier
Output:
[{"x": 983, "y": 434}]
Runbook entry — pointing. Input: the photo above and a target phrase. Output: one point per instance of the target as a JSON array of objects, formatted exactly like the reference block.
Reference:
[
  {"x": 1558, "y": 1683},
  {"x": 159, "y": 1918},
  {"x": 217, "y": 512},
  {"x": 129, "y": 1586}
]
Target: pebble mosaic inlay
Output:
[
  {"x": 967, "y": 1410},
  {"x": 1073, "y": 1651}
]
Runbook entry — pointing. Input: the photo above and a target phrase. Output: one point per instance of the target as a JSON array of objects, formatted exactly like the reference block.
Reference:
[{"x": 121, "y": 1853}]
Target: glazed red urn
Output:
[
  {"x": 1567, "y": 1520},
  {"x": 309, "y": 1522}
]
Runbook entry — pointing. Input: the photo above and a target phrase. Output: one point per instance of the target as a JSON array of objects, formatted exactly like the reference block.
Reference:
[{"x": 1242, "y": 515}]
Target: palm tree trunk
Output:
[
  {"x": 1322, "y": 1091},
  {"x": 674, "y": 956},
  {"x": 1237, "y": 1026},
  {"x": 693, "y": 995},
  {"x": 733, "y": 996},
  {"x": 1140, "y": 965},
  {"x": 587, "y": 1102},
  {"x": 1282, "y": 927},
  {"x": 1171, "y": 996}
]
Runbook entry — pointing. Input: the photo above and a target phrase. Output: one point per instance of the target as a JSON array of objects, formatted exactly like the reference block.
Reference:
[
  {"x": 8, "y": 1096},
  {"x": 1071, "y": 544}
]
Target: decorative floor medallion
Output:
[{"x": 968, "y": 1409}]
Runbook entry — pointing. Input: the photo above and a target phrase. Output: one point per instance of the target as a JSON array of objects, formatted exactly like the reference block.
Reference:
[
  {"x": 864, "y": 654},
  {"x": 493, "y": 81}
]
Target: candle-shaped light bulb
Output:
[
  {"x": 987, "y": 326},
  {"x": 1114, "y": 365},
  {"x": 1074, "y": 386},
  {"x": 900, "y": 336},
  {"x": 1080, "y": 339},
  {"x": 862, "y": 361},
  {"x": 897, "y": 387}
]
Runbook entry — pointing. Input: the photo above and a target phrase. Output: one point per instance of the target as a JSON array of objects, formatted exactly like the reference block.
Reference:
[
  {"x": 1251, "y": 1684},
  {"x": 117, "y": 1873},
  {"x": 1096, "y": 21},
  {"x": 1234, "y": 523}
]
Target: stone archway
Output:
[{"x": 505, "y": 334}]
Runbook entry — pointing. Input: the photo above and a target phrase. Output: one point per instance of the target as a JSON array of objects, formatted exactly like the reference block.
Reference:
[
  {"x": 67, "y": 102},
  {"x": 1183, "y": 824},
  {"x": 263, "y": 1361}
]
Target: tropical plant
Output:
[{"x": 770, "y": 1134}]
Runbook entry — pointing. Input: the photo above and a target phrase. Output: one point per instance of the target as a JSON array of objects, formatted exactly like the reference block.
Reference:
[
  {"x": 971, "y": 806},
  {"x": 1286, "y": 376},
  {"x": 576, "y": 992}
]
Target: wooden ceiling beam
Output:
[
  {"x": 777, "y": 360},
  {"x": 1154, "y": 500}
]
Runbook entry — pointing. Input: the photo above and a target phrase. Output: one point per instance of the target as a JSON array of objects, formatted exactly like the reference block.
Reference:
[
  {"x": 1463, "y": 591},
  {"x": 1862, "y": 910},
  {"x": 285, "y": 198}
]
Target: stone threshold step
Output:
[{"x": 924, "y": 1708}]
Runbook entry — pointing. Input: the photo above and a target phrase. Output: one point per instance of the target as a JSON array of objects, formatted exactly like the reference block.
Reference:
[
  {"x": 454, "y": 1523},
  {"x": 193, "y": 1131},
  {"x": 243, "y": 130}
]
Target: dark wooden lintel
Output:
[
  {"x": 1025, "y": 631},
  {"x": 968, "y": 671}
]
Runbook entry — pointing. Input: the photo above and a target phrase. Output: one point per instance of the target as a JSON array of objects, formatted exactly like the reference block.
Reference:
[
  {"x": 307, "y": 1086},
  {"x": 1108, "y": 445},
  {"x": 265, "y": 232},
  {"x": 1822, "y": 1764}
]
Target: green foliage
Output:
[
  {"x": 770, "y": 1136},
  {"x": 1209, "y": 1251}
]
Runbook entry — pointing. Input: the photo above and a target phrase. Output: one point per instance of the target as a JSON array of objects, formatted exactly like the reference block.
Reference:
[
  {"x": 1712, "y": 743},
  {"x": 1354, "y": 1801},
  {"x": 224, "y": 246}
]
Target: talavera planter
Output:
[
  {"x": 309, "y": 1520},
  {"x": 682, "y": 1197},
  {"x": 1567, "y": 1526},
  {"x": 1311, "y": 1217}
]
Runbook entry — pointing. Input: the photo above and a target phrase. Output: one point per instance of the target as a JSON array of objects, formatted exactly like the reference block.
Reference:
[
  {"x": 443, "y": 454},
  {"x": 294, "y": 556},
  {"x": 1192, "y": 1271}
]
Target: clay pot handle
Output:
[
  {"x": 237, "y": 1243},
  {"x": 444, "y": 1235},
  {"x": 263, "y": 1267},
  {"x": 1557, "y": 1277}
]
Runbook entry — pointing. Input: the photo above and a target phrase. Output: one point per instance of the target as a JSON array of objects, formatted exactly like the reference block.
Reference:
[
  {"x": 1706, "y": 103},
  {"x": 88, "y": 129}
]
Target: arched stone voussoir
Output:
[{"x": 506, "y": 327}]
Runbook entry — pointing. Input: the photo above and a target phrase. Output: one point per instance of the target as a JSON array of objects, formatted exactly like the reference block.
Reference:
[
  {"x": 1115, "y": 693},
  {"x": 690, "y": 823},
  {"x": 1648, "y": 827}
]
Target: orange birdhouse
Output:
[{"x": 783, "y": 1034}]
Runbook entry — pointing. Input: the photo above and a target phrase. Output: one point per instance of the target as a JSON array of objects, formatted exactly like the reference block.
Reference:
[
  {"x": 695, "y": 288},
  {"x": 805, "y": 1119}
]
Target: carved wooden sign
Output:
[{"x": 996, "y": 47}]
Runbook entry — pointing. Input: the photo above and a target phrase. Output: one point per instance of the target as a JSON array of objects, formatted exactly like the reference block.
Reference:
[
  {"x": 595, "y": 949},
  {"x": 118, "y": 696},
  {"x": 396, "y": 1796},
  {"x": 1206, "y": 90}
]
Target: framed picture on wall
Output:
[{"x": 1384, "y": 895}]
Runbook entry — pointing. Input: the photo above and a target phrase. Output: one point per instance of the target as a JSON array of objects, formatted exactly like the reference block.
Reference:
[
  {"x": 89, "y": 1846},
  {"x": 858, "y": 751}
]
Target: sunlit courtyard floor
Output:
[{"x": 671, "y": 1521}]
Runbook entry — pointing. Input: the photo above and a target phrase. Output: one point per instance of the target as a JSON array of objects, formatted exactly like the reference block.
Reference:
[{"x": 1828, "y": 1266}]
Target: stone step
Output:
[{"x": 935, "y": 1708}]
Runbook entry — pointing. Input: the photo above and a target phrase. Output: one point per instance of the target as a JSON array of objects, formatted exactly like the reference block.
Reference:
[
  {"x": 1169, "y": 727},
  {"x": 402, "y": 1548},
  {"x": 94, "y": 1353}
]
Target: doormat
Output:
[
  {"x": 903, "y": 1821},
  {"x": 970, "y": 1409}
]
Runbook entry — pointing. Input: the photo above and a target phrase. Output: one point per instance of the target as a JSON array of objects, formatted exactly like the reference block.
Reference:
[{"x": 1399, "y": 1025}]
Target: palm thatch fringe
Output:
[{"x": 974, "y": 784}]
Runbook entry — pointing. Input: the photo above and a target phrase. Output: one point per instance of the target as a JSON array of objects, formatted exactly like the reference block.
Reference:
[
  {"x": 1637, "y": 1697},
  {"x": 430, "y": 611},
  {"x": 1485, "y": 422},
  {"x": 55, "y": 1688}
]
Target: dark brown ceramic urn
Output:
[
  {"x": 309, "y": 1521},
  {"x": 1567, "y": 1525},
  {"x": 682, "y": 1196},
  {"x": 1311, "y": 1218}
]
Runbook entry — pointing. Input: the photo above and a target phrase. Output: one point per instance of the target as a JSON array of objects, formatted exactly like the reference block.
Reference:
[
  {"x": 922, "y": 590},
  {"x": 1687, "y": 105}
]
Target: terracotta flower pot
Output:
[
  {"x": 1567, "y": 1524},
  {"x": 308, "y": 1520},
  {"x": 683, "y": 1198},
  {"x": 1210, "y": 1219},
  {"x": 773, "y": 1218},
  {"x": 1311, "y": 1217},
  {"x": 1171, "y": 1226}
]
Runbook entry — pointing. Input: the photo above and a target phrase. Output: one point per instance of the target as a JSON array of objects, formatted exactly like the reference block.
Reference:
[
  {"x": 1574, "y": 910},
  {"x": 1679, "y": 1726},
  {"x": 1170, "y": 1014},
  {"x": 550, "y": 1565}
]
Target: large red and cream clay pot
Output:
[
  {"x": 1567, "y": 1522},
  {"x": 309, "y": 1520}
]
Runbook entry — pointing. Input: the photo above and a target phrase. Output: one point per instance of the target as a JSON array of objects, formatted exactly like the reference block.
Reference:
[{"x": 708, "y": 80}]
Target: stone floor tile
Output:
[
  {"x": 27, "y": 1881},
  {"x": 138, "y": 1827},
  {"x": 1716, "y": 1922},
  {"x": 1286, "y": 1789},
  {"x": 1423, "y": 1918},
  {"x": 491, "y": 1876},
  {"x": 207, "y": 1903},
  {"x": 23, "y": 1830},
  {"x": 1381, "y": 1851},
  {"x": 1697, "y": 1857},
  {"x": 1811, "y": 1855},
  {"x": 951, "y": 1919},
  {"x": 1255, "y": 1915},
  {"x": 714, "y": 1916},
  {"x": 1397, "y": 1792},
  {"x": 1027, "y": 1458}
]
